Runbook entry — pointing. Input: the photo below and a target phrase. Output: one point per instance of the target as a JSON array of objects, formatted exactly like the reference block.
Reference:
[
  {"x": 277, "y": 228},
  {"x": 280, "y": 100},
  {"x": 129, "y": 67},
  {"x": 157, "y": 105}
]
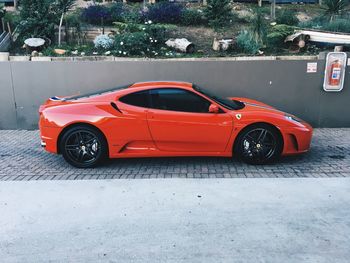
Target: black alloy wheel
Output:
[
  {"x": 83, "y": 146},
  {"x": 259, "y": 144}
]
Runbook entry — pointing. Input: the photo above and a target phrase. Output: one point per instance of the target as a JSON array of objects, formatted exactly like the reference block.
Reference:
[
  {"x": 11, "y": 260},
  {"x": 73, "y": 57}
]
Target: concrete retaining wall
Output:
[{"x": 281, "y": 83}]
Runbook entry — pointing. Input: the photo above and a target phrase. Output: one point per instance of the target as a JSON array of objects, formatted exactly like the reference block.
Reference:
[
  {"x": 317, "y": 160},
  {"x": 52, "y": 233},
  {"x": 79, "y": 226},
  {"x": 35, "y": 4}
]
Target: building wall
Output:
[{"x": 281, "y": 83}]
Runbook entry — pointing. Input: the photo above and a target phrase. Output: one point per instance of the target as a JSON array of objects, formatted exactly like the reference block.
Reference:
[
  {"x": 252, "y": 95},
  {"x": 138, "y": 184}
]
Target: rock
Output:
[
  {"x": 35, "y": 53},
  {"x": 60, "y": 51}
]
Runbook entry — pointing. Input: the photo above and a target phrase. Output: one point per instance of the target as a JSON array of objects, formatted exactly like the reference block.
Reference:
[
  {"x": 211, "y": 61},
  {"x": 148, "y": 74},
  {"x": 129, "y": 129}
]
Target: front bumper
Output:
[{"x": 297, "y": 139}]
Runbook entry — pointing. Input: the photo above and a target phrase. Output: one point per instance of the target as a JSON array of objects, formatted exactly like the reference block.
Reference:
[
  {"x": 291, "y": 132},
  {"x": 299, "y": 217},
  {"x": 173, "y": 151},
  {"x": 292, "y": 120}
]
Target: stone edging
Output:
[{"x": 111, "y": 58}]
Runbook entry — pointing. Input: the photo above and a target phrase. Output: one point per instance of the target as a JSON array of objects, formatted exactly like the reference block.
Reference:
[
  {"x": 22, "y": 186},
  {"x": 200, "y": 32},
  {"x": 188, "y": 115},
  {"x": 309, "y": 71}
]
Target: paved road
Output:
[
  {"x": 181, "y": 220},
  {"x": 21, "y": 158}
]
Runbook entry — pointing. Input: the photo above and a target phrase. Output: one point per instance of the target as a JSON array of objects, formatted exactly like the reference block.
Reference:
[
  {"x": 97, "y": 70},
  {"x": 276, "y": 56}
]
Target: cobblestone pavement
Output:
[{"x": 22, "y": 158}]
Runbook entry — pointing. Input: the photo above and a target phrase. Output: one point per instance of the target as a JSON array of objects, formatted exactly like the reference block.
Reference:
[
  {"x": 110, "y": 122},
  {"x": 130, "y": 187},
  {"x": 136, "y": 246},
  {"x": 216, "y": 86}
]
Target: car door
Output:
[
  {"x": 130, "y": 128},
  {"x": 179, "y": 121}
]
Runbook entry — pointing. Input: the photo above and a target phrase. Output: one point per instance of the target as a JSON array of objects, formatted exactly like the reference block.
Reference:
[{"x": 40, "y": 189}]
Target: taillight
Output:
[{"x": 41, "y": 108}]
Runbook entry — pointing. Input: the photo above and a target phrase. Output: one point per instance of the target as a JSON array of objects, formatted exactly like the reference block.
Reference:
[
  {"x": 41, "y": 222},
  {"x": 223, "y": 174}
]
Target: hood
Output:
[
  {"x": 250, "y": 102},
  {"x": 257, "y": 106}
]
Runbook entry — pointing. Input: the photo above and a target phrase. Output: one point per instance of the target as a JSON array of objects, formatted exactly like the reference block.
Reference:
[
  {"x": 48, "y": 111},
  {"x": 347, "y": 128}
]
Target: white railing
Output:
[{"x": 5, "y": 41}]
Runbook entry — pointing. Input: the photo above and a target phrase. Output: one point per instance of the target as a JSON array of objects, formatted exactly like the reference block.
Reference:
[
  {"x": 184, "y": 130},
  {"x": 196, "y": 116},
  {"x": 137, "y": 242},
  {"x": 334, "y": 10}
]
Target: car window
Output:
[
  {"x": 173, "y": 99},
  {"x": 139, "y": 99}
]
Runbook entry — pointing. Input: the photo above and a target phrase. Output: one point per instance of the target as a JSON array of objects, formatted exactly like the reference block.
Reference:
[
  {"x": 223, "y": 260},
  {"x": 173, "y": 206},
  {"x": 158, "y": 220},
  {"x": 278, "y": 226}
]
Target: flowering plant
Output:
[
  {"x": 103, "y": 42},
  {"x": 141, "y": 39}
]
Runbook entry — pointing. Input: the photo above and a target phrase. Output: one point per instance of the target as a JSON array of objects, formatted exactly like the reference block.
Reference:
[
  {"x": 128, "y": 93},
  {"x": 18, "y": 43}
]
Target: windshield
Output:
[{"x": 227, "y": 103}]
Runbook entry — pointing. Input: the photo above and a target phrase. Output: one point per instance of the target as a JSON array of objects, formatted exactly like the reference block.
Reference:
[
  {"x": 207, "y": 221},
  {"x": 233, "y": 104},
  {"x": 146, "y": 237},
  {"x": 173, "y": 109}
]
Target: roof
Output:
[{"x": 162, "y": 83}]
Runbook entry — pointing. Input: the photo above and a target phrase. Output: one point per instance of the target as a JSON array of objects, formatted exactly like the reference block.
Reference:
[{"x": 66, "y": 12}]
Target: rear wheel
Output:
[
  {"x": 83, "y": 146},
  {"x": 259, "y": 144}
]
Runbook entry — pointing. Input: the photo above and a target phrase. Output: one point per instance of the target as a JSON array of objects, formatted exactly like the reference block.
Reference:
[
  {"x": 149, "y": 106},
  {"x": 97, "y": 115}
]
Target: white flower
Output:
[
  {"x": 82, "y": 53},
  {"x": 108, "y": 52},
  {"x": 75, "y": 52},
  {"x": 121, "y": 43},
  {"x": 151, "y": 41},
  {"x": 124, "y": 53},
  {"x": 120, "y": 52},
  {"x": 95, "y": 53},
  {"x": 103, "y": 41},
  {"x": 143, "y": 29},
  {"x": 149, "y": 22},
  {"x": 156, "y": 40}
]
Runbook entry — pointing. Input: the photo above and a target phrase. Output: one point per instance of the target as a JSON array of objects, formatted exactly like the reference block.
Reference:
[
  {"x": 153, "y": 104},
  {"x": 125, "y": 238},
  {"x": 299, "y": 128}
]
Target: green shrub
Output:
[
  {"x": 258, "y": 26},
  {"x": 96, "y": 15},
  {"x": 12, "y": 18},
  {"x": 314, "y": 24},
  {"x": 132, "y": 15},
  {"x": 277, "y": 34},
  {"x": 140, "y": 40},
  {"x": 193, "y": 17},
  {"x": 38, "y": 18},
  {"x": 247, "y": 43},
  {"x": 164, "y": 12},
  {"x": 218, "y": 13},
  {"x": 287, "y": 17},
  {"x": 2, "y": 10},
  {"x": 333, "y": 9},
  {"x": 338, "y": 25}
]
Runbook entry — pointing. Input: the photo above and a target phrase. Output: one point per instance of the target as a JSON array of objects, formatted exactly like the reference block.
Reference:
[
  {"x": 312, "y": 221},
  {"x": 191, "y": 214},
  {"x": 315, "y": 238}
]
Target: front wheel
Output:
[
  {"x": 259, "y": 144},
  {"x": 83, "y": 146}
]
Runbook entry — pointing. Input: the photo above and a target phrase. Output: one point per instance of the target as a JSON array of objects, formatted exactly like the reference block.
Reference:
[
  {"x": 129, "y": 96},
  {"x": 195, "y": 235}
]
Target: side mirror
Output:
[{"x": 213, "y": 108}]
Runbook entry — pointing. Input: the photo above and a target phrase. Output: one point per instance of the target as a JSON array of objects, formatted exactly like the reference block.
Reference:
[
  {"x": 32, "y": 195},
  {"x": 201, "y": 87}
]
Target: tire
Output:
[
  {"x": 259, "y": 144},
  {"x": 83, "y": 146}
]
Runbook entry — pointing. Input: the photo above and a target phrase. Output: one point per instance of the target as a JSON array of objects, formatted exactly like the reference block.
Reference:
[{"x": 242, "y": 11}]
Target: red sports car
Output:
[{"x": 157, "y": 119}]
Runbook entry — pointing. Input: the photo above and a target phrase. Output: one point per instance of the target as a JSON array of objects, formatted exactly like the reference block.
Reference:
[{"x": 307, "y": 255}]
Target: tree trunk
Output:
[
  {"x": 181, "y": 44},
  {"x": 60, "y": 30},
  {"x": 3, "y": 24},
  {"x": 273, "y": 9},
  {"x": 260, "y": 3},
  {"x": 103, "y": 26}
]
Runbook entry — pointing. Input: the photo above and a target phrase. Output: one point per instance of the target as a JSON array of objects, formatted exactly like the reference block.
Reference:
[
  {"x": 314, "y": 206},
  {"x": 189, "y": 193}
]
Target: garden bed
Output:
[{"x": 128, "y": 30}]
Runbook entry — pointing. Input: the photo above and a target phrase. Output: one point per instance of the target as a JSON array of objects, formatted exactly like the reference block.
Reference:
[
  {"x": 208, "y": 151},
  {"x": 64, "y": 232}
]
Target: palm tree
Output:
[
  {"x": 334, "y": 8},
  {"x": 63, "y": 6}
]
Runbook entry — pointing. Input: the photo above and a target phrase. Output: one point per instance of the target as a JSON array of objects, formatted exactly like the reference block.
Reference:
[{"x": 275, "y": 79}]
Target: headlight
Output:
[{"x": 292, "y": 118}]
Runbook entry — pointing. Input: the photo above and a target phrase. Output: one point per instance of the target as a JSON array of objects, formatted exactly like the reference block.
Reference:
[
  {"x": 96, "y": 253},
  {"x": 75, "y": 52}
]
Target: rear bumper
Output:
[
  {"x": 49, "y": 138},
  {"x": 297, "y": 139},
  {"x": 43, "y": 144}
]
